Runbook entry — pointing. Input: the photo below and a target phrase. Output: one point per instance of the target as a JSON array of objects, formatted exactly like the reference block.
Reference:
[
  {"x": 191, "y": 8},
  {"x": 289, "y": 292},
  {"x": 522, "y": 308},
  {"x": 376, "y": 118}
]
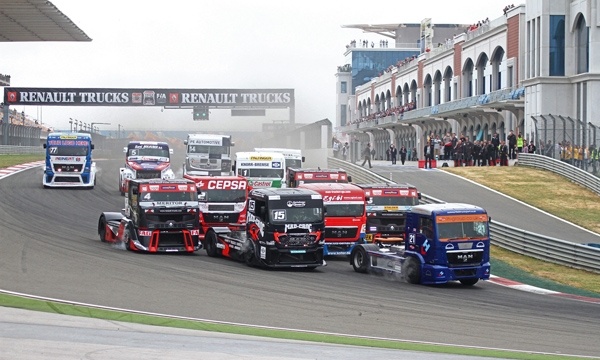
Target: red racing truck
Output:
[
  {"x": 345, "y": 216},
  {"x": 299, "y": 176},
  {"x": 387, "y": 205},
  {"x": 222, "y": 204}
]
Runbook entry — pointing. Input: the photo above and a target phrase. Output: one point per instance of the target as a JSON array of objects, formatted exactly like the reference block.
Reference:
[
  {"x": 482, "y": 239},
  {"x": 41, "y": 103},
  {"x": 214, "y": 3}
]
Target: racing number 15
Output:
[{"x": 278, "y": 215}]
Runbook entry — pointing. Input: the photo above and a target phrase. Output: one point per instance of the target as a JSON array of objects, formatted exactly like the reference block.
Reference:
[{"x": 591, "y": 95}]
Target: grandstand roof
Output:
[{"x": 36, "y": 20}]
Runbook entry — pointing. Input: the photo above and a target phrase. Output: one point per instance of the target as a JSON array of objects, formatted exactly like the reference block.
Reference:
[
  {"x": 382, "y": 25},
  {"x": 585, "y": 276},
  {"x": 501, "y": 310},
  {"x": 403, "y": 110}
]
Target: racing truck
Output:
[
  {"x": 299, "y": 176},
  {"x": 145, "y": 160},
  {"x": 284, "y": 229},
  {"x": 387, "y": 204},
  {"x": 159, "y": 216},
  {"x": 444, "y": 242},
  {"x": 69, "y": 161},
  {"x": 222, "y": 202},
  {"x": 345, "y": 216},
  {"x": 207, "y": 154},
  {"x": 262, "y": 169}
]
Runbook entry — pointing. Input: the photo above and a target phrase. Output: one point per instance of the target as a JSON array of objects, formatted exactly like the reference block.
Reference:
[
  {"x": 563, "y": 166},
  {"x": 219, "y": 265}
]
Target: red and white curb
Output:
[
  {"x": 4, "y": 172},
  {"x": 534, "y": 289}
]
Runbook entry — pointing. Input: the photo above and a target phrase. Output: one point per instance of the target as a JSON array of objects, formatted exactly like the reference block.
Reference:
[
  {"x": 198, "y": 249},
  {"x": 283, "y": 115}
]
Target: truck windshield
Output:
[
  {"x": 68, "y": 150},
  {"x": 394, "y": 200},
  {"x": 261, "y": 173},
  {"x": 236, "y": 196},
  {"x": 462, "y": 230},
  {"x": 169, "y": 196},
  {"x": 338, "y": 210},
  {"x": 297, "y": 215},
  {"x": 293, "y": 163},
  {"x": 204, "y": 149},
  {"x": 158, "y": 152}
]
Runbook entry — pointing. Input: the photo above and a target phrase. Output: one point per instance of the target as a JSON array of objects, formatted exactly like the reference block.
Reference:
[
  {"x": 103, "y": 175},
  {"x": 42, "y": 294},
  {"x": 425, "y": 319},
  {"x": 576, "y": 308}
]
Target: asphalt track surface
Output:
[{"x": 49, "y": 247}]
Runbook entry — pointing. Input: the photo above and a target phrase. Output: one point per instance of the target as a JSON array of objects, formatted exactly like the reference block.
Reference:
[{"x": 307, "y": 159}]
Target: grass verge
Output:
[
  {"x": 10, "y": 160},
  {"x": 555, "y": 195}
]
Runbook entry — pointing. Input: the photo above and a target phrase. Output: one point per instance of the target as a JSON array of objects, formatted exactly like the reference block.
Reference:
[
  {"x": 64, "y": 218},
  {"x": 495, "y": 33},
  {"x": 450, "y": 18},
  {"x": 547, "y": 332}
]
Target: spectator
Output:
[
  {"x": 336, "y": 148},
  {"x": 512, "y": 144},
  {"x": 531, "y": 147},
  {"x": 367, "y": 155},
  {"x": 519, "y": 143},
  {"x": 403, "y": 153},
  {"x": 429, "y": 153},
  {"x": 393, "y": 154},
  {"x": 345, "y": 151},
  {"x": 504, "y": 153}
]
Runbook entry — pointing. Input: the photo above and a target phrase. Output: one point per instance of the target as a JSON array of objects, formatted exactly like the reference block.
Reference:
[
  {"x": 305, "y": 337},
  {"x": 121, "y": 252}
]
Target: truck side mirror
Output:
[
  {"x": 125, "y": 149},
  {"x": 44, "y": 145},
  {"x": 92, "y": 146},
  {"x": 171, "y": 151},
  {"x": 185, "y": 142},
  {"x": 303, "y": 159},
  {"x": 349, "y": 178},
  {"x": 232, "y": 144},
  {"x": 419, "y": 195},
  {"x": 324, "y": 209}
]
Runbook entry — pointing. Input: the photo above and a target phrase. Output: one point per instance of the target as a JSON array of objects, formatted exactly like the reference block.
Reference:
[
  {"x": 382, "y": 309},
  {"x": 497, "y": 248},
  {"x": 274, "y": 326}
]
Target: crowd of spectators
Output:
[
  {"x": 397, "y": 110},
  {"x": 479, "y": 24},
  {"x": 507, "y": 7}
]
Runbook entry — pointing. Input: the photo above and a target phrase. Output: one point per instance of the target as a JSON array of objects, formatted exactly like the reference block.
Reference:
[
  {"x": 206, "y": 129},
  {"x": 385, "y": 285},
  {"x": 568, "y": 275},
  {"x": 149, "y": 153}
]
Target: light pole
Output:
[{"x": 97, "y": 123}]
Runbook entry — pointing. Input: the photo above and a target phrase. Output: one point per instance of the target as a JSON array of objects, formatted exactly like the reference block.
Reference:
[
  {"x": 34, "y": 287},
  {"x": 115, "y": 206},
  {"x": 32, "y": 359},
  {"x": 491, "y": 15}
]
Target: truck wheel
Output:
[
  {"x": 102, "y": 229},
  {"x": 249, "y": 256},
  {"x": 360, "y": 259},
  {"x": 469, "y": 282},
  {"x": 210, "y": 243},
  {"x": 127, "y": 238},
  {"x": 412, "y": 270}
]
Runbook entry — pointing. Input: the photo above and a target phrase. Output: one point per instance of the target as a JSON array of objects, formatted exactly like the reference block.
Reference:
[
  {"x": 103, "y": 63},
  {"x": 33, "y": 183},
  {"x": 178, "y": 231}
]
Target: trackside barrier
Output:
[
  {"x": 13, "y": 150},
  {"x": 505, "y": 236},
  {"x": 573, "y": 173}
]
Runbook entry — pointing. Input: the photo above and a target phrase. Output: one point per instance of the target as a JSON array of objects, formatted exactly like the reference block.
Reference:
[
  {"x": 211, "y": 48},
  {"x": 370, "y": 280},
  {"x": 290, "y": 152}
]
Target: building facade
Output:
[{"x": 531, "y": 70}]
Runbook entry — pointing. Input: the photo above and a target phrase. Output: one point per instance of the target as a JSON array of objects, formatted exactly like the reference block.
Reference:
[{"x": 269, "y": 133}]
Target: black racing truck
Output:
[
  {"x": 159, "y": 216},
  {"x": 284, "y": 229}
]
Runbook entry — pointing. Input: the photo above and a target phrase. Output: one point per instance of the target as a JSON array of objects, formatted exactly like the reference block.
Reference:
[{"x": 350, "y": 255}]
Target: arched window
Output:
[{"x": 583, "y": 46}]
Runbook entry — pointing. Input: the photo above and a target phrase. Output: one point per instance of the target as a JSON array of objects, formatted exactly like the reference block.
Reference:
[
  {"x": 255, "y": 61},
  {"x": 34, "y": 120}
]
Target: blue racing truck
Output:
[
  {"x": 69, "y": 161},
  {"x": 444, "y": 242}
]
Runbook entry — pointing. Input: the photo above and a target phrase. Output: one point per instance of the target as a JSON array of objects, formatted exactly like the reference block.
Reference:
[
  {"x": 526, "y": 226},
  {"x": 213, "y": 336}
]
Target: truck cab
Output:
[
  {"x": 345, "y": 216},
  {"x": 387, "y": 206},
  {"x": 261, "y": 169},
  {"x": 444, "y": 242},
  {"x": 284, "y": 229},
  {"x": 207, "y": 154},
  {"x": 222, "y": 202},
  {"x": 145, "y": 160},
  {"x": 159, "y": 216},
  {"x": 299, "y": 176},
  {"x": 69, "y": 161}
]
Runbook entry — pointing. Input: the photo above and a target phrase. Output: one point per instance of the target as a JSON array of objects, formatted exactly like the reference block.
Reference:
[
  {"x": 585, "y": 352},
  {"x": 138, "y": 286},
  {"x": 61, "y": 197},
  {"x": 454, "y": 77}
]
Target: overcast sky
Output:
[{"x": 211, "y": 44}]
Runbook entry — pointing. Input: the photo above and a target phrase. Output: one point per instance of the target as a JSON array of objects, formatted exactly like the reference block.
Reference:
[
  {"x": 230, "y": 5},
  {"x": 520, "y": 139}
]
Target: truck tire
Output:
[
  {"x": 127, "y": 238},
  {"x": 469, "y": 282},
  {"x": 250, "y": 255},
  {"x": 412, "y": 270},
  {"x": 210, "y": 243},
  {"x": 360, "y": 260},
  {"x": 102, "y": 229}
]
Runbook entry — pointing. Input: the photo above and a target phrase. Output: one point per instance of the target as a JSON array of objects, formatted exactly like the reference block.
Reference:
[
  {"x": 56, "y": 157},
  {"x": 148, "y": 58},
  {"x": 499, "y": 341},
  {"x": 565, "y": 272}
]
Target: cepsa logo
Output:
[{"x": 226, "y": 184}]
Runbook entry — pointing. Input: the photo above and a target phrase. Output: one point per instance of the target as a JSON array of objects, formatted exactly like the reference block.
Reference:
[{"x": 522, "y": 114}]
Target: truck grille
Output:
[
  {"x": 340, "y": 233},
  {"x": 464, "y": 258},
  {"x": 148, "y": 174},
  {"x": 171, "y": 240},
  {"x": 68, "y": 168},
  {"x": 220, "y": 217},
  {"x": 297, "y": 239}
]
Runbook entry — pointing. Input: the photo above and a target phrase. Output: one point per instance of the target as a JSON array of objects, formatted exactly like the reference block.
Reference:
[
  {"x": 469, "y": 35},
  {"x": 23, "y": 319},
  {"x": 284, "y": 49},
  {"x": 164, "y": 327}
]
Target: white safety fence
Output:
[
  {"x": 14, "y": 150},
  {"x": 505, "y": 236}
]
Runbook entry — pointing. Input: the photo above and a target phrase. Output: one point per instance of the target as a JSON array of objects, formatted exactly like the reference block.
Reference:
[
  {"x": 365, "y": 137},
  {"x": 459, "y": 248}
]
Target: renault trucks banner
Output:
[{"x": 213, "y": 98}]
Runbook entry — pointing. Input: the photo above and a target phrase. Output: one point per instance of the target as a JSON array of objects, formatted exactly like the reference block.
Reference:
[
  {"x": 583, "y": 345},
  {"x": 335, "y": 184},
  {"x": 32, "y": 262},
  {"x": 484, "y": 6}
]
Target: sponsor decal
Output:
[
  {"x": 331, "y": 198},
  {"x": 461, "y": 218},
  {"x": 306, "y": 176},
  {"x": 11, "y": 96},
  {"x": 194, "y": 232},
  {"x": 173, "y": 98},
  {"x": 161, "y": 98},
  {"x": 63, "y": 158},
  {"x": 144, "y": 188},
  {"x": 376, "y": 192},
  {"x": 390, "y": 208},
  {"x": 335, "y": 176},
  {"x": 296, "y": 203},
  {"x": 182, "y": 187},
  {"x": 226, "y": 184},
  {"x": 261, "y": 158},
  {"x": 168, "y": 187},
  {"x": 263, "y": 252},
  {"x": 276, "y": 165},
  {"x": 261, "y": 183},
  {"x": 144, "y": 233},
  {"x": 255, "y": 164},
  {"x": 169, "y": 203},
  {"x": 404, "y": 192},
  {"x": 215, "y": 142},
  {"x": 149, "y": 97},
  {"x": 298, "y": 226}
]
